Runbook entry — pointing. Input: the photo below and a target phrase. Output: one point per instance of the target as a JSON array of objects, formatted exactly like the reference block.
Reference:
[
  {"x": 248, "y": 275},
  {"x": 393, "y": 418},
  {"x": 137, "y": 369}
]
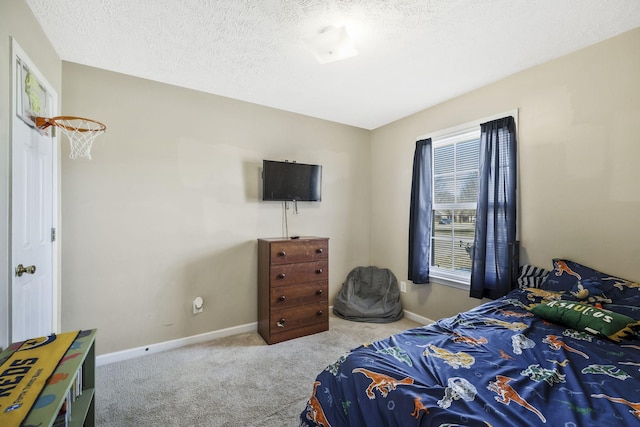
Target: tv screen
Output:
[{"x": 289, "y": 181}]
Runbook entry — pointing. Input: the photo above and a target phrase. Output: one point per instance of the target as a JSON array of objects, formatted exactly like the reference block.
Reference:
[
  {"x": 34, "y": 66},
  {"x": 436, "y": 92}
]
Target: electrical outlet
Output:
[
  {"x": 198, "y": 305},
  {"x": 403, "y": 286}
]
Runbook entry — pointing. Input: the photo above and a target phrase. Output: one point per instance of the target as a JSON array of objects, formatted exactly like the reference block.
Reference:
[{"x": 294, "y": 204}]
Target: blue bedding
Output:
[{"x": 495, "y": 365}]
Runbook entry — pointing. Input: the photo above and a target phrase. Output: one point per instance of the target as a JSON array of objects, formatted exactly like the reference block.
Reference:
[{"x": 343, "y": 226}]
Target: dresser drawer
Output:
[
  {"x": 298, "y": 251},
  {"x": 288, "y": 334},
  {"x": 297, "y": 317},
  {"x": 304, "y": 272},
  {"x": 295, "y": 295}
]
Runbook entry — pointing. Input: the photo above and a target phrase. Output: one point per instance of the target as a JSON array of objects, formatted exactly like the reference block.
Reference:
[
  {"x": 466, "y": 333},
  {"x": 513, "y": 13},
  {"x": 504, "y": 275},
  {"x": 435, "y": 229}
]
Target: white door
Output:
[{"x": 33, "y": 205}]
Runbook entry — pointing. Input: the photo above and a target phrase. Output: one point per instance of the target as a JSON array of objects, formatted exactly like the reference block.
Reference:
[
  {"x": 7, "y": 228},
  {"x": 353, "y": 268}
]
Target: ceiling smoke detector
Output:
[{"x": 332, "y": 44}]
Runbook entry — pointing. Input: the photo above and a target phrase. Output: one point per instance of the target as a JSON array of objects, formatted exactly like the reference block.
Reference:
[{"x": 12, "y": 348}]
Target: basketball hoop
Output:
[{"x": 80, "y": 131}]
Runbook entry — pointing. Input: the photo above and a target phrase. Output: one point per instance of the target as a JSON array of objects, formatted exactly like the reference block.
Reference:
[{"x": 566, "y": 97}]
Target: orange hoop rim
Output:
[{"x": 43, "y": 123}]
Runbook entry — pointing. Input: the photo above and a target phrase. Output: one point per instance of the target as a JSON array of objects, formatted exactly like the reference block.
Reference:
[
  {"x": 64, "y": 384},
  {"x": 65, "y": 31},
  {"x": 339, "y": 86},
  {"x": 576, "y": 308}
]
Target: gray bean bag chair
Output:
[{"x": 369, "y": 294}]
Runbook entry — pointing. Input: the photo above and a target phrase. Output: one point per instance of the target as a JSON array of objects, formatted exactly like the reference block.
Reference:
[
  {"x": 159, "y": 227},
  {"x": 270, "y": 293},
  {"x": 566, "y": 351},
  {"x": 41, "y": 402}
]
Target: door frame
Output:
[{"x": 18, "y": 52}]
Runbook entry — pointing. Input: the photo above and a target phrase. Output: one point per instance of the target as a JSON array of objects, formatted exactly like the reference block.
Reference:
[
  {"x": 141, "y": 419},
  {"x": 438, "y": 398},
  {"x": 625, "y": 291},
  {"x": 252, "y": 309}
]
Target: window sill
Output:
[{"x": 447, "y": 281}]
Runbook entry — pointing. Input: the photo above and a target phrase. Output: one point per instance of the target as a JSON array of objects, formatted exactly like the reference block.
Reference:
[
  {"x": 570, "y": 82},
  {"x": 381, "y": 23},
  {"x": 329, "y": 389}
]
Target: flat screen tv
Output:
[{"x": 290, "y": 181}]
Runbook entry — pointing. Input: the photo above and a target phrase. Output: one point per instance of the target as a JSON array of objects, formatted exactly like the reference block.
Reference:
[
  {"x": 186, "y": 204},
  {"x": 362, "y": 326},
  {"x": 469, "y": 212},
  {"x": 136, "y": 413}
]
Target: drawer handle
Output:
[
  {"x": 319, "y": 271},
  {"x": 281, "y": 276},
  {"x": 319, "y": 292},
  {"x": 280, "y": 323},
  {"x": 282, "y": 253},
  {"x": 320, "y": 250},
  {"x": 319, "y": 313},
  {"x": 282, "y": 298}
]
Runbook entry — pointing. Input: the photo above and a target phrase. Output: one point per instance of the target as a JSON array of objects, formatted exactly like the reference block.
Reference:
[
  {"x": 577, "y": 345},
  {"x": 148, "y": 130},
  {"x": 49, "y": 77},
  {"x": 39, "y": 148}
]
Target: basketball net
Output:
[
  {"x": 81, "y": 134},
  {"x": 80, "y": 131}
]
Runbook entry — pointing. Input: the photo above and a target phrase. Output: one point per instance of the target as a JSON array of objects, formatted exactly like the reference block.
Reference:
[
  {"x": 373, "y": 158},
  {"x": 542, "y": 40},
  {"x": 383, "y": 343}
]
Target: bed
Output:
[{"x": 564, "y": 354}]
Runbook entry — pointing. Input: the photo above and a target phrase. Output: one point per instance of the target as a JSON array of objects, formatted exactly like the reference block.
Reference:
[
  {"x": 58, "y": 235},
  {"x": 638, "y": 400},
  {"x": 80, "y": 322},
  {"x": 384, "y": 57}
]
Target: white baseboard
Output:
[
  {"x": 417, "y": 318},
  {"x": 408, "y": 314},
  {"x": 131, "y": 353}
]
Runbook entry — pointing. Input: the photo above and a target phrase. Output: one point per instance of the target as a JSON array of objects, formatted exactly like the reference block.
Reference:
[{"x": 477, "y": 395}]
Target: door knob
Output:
[{"x": 20, "y": 270}]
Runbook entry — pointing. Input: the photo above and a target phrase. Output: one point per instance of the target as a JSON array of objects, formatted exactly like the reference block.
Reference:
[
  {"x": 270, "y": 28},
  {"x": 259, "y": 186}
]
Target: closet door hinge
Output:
[{"x": 53, "y": 234}]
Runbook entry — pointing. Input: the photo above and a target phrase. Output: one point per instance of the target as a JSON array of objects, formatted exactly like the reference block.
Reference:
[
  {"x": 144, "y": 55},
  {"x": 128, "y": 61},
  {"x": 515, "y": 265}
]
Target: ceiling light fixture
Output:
[{"x": 332, "y": 44}]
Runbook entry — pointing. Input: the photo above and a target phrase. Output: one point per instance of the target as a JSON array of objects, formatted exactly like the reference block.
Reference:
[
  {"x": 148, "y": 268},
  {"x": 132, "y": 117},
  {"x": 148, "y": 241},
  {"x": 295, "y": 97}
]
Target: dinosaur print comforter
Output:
[{"x": 495, "y": 365}]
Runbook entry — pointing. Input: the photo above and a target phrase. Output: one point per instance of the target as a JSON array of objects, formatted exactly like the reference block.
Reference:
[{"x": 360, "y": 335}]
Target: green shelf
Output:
[{"x": 79, "y": 358}]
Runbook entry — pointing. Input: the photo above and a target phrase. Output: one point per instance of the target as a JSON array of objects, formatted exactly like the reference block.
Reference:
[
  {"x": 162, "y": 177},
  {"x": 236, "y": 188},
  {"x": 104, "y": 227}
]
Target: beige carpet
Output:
[{"x": 236, "y": 381}]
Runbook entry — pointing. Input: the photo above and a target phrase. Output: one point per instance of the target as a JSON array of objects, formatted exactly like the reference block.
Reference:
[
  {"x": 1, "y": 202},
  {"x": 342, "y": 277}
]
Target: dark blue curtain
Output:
[
  {"x": 496, "y": 215},
  {"x": 420, "y": 213}
]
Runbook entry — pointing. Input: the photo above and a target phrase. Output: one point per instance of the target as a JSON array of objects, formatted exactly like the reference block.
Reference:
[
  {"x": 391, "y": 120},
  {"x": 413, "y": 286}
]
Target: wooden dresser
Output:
[{"x": 293, "y": 283}]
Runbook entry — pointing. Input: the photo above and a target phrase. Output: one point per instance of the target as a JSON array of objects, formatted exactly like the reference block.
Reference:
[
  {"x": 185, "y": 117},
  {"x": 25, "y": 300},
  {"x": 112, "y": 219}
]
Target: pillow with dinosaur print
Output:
[
  {"x": 587, "y": 318},
  {"x": 586, "y": 283}
]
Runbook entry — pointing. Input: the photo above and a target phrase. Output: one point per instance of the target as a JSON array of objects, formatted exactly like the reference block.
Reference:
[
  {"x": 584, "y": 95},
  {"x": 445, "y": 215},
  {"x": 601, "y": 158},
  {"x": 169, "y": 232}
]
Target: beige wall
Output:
[
  {"x": 17, "y": 21},
  {"x": 169, "y": 209},
  {"x": 579, "y": 127}
]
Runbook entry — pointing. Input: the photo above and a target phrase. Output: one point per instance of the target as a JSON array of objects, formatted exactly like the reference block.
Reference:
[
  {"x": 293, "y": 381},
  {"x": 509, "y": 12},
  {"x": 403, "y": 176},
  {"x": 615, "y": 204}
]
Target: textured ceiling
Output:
[{"x": 412, "y": 53}]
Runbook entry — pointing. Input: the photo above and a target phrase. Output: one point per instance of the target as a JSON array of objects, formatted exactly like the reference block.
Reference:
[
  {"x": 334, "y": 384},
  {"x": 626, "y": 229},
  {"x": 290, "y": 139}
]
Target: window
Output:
[
  {"x": 445, "y": 199},
  {"x": 455, "y": 193}
]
